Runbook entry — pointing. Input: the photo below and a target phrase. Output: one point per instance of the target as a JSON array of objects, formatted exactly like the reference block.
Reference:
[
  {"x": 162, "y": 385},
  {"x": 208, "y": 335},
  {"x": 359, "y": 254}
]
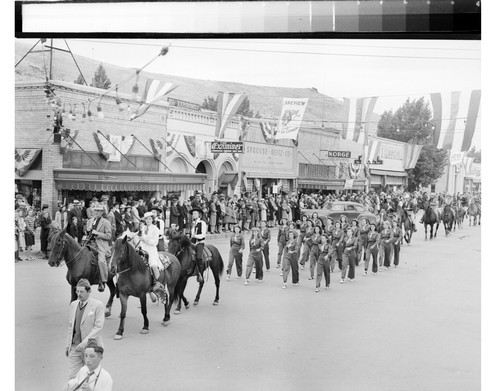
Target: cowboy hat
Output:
[
  {"x": 148, "y": 214},
  {"x": 200, "y": 211}
]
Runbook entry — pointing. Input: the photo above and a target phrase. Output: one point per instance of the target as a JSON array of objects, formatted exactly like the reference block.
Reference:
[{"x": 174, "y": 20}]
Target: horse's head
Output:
[
  {"x": 177, "y": 243},
  {"x": 120, "y": 254},
  {"x": 58, "y": 247}
]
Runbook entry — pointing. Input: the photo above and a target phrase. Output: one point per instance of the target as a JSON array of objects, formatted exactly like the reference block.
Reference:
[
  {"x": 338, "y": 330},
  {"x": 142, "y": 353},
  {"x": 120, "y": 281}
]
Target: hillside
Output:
[{"x": 265, "y": 99}]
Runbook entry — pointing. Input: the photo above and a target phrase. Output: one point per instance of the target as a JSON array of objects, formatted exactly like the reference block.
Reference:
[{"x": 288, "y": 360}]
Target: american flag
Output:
[
  {"x": 153, "y": 92},
  {"x": 227, "y": 106}
]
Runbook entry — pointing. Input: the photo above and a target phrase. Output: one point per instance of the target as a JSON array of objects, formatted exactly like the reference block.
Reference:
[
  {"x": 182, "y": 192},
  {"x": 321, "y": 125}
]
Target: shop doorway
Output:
[{"x": 204, "y": 167}]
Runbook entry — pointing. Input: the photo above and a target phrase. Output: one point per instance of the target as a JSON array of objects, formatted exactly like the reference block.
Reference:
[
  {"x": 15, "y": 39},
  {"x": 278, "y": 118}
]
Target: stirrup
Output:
[{"x": 101, "y": 287}]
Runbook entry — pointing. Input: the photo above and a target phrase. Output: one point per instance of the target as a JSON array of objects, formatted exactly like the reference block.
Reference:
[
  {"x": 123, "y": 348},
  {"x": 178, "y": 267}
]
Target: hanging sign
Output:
[{"x": 227, "y": 146}]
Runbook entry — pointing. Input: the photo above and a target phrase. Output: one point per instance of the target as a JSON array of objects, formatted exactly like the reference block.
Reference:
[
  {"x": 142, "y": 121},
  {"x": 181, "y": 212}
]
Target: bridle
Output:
[
  {"x": 118, "y": 272},
  {"x": 59, "y": 257}
]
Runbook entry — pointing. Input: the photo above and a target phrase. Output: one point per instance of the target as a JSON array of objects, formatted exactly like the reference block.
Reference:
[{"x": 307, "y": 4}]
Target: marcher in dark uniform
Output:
[
  {"x": 290, "y": 258},
  {"x": 306, "y": 242},
  {"x": 282, "y": 235},
  {"x": 386, "y": 244},
  {"x": 236, "y": 247},
  {"x": 397, "y": 236},
  {"x": 349, "y": 255},
  {"x": 323, "y": 263},
  {"x": 265, "y": 234},
  {"x": 372, "y": 244},
  {"x": 256, "y": 246},
  {"x": 364, "y": 228},
  {"x": 337, "y": 240},
  {"x": 355, "y": 233},
  {"x": 314, "y": 253}
]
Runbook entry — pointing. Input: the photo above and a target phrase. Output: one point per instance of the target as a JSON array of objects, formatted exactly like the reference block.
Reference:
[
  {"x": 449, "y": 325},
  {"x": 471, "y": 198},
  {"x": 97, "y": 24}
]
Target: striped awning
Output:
[
  {"x": 104, "y": 180},
  {"x": 327, "y": 184}
]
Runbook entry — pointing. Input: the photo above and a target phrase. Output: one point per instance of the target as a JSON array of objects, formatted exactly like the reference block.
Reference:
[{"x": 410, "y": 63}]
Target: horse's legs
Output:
[
  {"x": 182, "y": 286},
  {"x": 123, "y": 313},
  {"x": 144, "y": 312},
  {"x": 217, "y": 284},
  {"x": 200, "y": 288},
  {"x": 168, "y": 306},
  {"x": 425, "y": 228},
  {"x": 112, "y": 289}
]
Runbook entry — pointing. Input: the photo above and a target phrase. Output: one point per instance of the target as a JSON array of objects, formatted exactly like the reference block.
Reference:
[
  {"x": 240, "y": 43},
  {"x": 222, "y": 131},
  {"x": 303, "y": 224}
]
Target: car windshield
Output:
[{"x": 333, "y": 207}]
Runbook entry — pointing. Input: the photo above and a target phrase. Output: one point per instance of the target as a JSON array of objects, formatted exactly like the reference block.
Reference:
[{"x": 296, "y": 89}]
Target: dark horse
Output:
[
  {"x": 431, "y": 217},
  {"x": 406, "y": 225},
  {"x": 448, "y": 218},
  {"x": 81, "y": 263},
  {"x": 134, "y": 279},
  {"x": 474, "y": 212},
  {"x": 181, "y": 246}
]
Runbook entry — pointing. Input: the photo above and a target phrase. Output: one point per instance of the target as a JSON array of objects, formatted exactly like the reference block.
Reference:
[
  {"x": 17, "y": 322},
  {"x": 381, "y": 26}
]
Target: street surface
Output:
[{"x": 416, "y": 327}]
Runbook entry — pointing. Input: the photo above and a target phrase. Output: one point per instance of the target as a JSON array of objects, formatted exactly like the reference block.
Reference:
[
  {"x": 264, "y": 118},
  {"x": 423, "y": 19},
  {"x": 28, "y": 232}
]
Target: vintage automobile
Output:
[{"x": 335, "y": 209}]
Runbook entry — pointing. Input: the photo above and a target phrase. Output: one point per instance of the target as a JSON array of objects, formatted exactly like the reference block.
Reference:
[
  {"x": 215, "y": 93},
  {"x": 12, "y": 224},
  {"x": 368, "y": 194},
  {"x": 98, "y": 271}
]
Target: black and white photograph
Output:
[{"x": 236, "y": 212}]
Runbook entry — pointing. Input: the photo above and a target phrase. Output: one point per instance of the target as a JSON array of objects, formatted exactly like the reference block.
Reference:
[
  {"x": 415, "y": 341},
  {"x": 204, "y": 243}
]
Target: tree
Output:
[
  {"x": 210, "y": 103},
  {"x": 79, "y": 80},
  {"x": 100, "y": 79},
  {"x": 410, "y": 124}
]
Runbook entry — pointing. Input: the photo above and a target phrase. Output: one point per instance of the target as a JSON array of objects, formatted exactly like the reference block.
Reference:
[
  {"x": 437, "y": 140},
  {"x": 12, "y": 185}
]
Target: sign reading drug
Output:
[{"x": 226, "y": 147}]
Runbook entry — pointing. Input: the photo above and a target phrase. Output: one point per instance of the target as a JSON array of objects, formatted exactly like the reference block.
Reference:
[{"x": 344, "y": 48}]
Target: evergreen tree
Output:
[
  {"x": 100, "y": 79},
  {"x": 79, "y": 80},
  {"x": 210, "y": 103}
]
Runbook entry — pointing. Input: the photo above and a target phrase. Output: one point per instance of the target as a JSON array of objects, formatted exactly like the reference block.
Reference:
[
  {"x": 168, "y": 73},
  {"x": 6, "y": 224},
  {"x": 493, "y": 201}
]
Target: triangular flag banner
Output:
[
  {"x": 68, "y": 140},
  {"x": 24, "y": 159},
  {"x": 109, "y": 148},
  {"x": 468, "y": 164},
  {"x": 454, "y": 118},
  {"x": 227, "y": 106},
  {"x": 154, "y": 91},
  {"x": 411, "y": 155},
  {"x": 292, "y": 112},
  {"x": 171, "y": 140},
  {"x": 357, "y": 115},
  {"x": 158, "y": 148},
  {"x": 191, "y": 144}
]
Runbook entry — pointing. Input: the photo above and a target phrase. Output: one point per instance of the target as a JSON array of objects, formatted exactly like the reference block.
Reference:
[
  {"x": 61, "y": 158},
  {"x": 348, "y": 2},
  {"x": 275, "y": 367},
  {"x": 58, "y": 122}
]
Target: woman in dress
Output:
[
  {"x": 236, "y": 247},
  {"x": 349, "y": 255},
  {"x": 314, "y": 253},
  {"x": 255, "y": 257},
  {"x": 290, "y": 258},
  {"x": 323, "y": 263},
  {"x": 372, "y": 244}
]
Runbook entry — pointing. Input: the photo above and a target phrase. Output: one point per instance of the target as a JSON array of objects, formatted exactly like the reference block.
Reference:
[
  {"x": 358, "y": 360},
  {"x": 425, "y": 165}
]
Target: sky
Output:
[{"x": 393, "y": 70}]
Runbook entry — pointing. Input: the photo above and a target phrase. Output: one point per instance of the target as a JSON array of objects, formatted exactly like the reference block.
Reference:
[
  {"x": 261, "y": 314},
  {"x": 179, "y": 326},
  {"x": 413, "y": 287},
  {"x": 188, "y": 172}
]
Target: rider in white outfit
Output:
[{"x": 148, "y": 242}]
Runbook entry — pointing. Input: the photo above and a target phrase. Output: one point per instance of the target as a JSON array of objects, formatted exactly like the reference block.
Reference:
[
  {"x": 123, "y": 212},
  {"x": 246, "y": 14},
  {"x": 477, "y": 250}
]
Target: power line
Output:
[{"x": 175, "y": 45}]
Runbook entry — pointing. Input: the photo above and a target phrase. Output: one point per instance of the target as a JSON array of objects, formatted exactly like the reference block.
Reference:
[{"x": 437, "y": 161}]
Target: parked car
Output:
[{"x": 335, "y": 209}]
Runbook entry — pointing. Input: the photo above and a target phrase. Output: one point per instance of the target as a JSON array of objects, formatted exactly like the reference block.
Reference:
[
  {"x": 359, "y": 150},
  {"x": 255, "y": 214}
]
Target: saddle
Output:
[
  {"x": 207, "y": 255},
  {"x": 165, "y": 260},
  {"x": 94, "y": 251}
]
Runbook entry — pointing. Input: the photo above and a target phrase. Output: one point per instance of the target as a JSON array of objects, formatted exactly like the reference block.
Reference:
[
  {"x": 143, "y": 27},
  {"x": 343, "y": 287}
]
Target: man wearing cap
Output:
[
  {"x": 86, "y": 320},
  {"x": 149, "y": 236},
  {"x": 198, "y": 235},
  {"x": 92, "y": 376},
  {"x": 100, "y": 233}
]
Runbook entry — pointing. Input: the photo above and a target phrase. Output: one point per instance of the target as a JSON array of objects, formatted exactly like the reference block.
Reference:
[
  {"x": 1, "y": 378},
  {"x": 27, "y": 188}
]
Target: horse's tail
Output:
[{"x": 218, "y": 258}]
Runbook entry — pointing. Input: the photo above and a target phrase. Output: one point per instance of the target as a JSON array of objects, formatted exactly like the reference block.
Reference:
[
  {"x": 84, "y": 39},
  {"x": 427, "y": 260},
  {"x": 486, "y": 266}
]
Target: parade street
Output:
[{"x": 416, "y": 327}]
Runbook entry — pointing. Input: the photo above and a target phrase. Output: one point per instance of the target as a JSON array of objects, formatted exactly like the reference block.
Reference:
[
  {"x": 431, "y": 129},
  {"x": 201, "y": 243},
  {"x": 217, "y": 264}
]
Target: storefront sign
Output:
[
  {"x": 391, "y": 153},
  {"x": 456, "y": 158},
  {"x": 267, "y": 160},
  {"x": 292, "y": 112},
  {"x": 348, "y": 184},
  {"x": 226, "y": 147},
  {"x": 339, "y": 154}
]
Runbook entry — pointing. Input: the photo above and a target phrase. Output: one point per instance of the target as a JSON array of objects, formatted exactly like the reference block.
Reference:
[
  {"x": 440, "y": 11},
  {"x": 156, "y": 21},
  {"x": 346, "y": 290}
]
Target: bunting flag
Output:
[
  {"x": 109, "y": 149},
  {"x": 411, "y": 155},
  {"x": 365, "y": 147},
  {"x": 227, "y": 106},
  {"x": 454, "y": 118},
  {"x": 244, "y": 129},
  {"x": 68, "y": 139},
  {"x": 357, "y": 112},
  {"x": 153, "y": 92},
  {"x": 191, "y": 144},
  {"x": 269, "y": 131},
  {"x": 158, "y": 148},
  {"x": 373, "y": 150},
  {"x": 292, "y": 112},
  {"x": 24, "y": 159},
  {"x": 171, "y": 140},
  {"x": 468, "y": 163}
]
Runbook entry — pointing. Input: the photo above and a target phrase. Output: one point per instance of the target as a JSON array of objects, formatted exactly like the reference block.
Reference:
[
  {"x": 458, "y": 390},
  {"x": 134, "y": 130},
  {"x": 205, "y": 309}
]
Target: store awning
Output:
[
  {"x": 105, "y": 180},
  {"x": 388, "y": 173},
  {"x": 227, "y": 177},
  {"x": 269, "y": 175}
]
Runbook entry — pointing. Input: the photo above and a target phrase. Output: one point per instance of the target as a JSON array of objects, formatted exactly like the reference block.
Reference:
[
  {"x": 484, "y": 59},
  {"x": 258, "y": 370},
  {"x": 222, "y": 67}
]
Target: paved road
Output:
[{"x": 412, "y": 328}]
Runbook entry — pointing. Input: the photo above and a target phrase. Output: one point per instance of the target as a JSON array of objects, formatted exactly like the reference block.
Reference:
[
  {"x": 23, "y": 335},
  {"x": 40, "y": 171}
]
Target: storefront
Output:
[{"x": 390, "y": 167}]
